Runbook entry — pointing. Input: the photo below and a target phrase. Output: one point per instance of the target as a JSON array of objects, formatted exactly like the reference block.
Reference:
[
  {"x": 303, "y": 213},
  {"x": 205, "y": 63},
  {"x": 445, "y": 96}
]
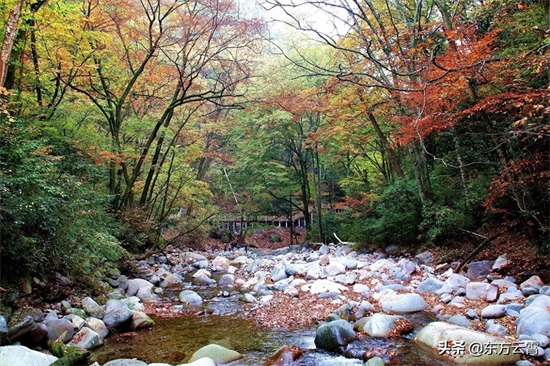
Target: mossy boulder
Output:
[{"x": 330, "y": 336}]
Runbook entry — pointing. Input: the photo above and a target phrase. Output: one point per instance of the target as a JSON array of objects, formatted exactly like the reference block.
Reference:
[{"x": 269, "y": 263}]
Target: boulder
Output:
[
  {"x": 205, "y": 361},
  {"x": 202, "y": 273},
  {"x": 190, "y": 297},
  {"x": 140, "y": 288},
  {"x": 314, "y": 273},
  {"x": 479, "y": 270},
  {"x": 403, "y": 303},
  {"x": 125, "y": 362},
  {"x": 86, "y": 338},
  {"x": 330, "y": 336},
  {"x": 480, "y": 291},
  {"x": 141, "y": 320},
  {"x": 384, "y": 325},
  {"x": 430, "y": 285},
  {"x": 285, "y": 356},
  {"x": 493, "y": 311},
  {"x": 278, "y": 272},
  {"x": 170, "y": 279},
  {"x": 133, "y": 303},
  {"x": 534, "y": 321},
  {"x": 21, "y": 328},
  {"x": 346, "y": 278},
  {"x": 92, "y": 308},
  {"x": 77, "y": 321},
  {"x": 220, "y": 263},
  {"x": 532, "y": 285},
  {"x": 217, "y": 353},
  {"x": 97, "y": 326},
  {"x": 23, "y": 356},
  {"x": 363, "y": 309},
  {"x": 61, "y": 329},
  {"x": 117, "y": 315},
  {"x": 500, "y": 262},
  {"x": 227, "y": 280},
  {"x": 460, "y": 320},
  {"x": 436, "y": 334},
  {"x": 375, "y": 361},
  {"x": 335, "y": 268},
  {"x": 3, "y": 328},
  {"x": 426, "y": 258},
  {"x": 321, "y": 286},
  {"x": 457, "y": 281}
]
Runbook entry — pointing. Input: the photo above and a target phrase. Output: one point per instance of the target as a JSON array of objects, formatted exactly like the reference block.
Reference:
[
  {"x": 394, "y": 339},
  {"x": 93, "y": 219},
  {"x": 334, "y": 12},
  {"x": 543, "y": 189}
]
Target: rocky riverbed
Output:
[{"x": 359, "y": 305}]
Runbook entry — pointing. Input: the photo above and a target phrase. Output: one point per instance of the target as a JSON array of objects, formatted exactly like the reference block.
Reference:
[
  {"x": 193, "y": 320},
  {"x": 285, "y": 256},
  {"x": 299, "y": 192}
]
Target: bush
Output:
[
  {"x": 394, "y": 217},
  {"x": 52, "y": 217}
]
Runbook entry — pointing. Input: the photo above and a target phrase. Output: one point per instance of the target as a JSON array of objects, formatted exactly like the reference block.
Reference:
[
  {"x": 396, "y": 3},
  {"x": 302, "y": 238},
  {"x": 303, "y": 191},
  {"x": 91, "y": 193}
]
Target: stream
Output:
[{"x": 173, "y": 340}]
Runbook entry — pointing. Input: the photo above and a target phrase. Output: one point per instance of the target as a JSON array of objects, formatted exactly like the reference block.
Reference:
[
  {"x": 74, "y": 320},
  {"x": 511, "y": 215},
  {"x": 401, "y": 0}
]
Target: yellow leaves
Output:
[{"x": 519, "y": 123}]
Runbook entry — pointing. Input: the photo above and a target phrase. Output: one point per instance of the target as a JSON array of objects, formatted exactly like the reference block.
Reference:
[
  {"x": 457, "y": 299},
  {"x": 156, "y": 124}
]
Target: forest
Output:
[{"x": 127, "y": 126}]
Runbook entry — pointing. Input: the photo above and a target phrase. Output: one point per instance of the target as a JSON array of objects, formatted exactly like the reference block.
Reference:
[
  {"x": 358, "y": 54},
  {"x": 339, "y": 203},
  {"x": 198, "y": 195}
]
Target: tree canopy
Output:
[{"x": 126, "y": 126}]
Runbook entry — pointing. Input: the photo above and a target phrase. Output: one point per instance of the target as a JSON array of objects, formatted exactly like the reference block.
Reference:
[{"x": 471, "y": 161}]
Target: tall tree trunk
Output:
[
  {"x": 461, "y": 169},
  {"x": 394, "y": 161},
  {"x": 421, "y": 173},
  {"x": 318, "y": 201},
  {"x": 10, "y": 35}
]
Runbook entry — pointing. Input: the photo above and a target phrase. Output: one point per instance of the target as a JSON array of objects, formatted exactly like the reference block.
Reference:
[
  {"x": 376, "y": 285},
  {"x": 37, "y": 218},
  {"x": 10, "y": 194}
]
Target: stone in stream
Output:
[
  {"x": 202, "y": 273},
  {"x": 217, "y": 353},
  {"x": 205, "y": 361},
  {"x": 330, "y": 336},
  {"x": 286, "y": 355},
  {"x": 125, "y": 362},
  {"x": 170, "y": 279},
  {"x": 117, "y": 315},
  {"x": 220, "y": 263},
  {"x": 86, "y": 338},
  {"x": 190, "y": 297},
  {"x": 227, "y": 280},
  {"x": 375, "y": 361},
  {"x": 23, "y": 356},
  {"x": 141, "y": 320},
  {"x": 384, "y": 325},
  {"x": 133, "y": 303},
  {"x": 440, "y": 336},
  {"x": 140, "y": 288},
  {"x": 363, "y": 309}
]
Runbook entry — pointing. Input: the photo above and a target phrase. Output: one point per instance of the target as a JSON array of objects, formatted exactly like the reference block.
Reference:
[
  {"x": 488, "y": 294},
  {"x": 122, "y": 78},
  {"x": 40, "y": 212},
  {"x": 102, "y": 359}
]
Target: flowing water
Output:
[{"x": 173, "y": 340}]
